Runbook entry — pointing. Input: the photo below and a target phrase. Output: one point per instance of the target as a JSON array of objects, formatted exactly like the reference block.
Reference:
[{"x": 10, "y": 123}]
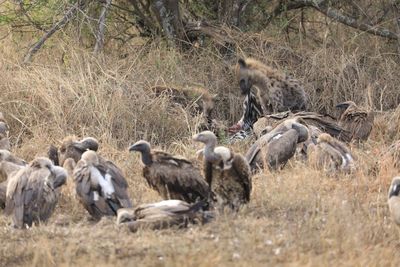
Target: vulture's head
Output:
[
  {"x": 206, "y": 137},
  {"x": 125, "y": 215},
  {"x": 394, "y": 189},
  {"x": 3, "y": 130},
  {"x": 302, "y": 131},
  {"x": 72, "y": 148},
  {"x": 6, "y": 155},
  {"x": 90, "y": 157},
  {"x": 57, "y": 176},
  {"x": 140, "y": 146},
  {"x": 210, "y": 140},
  {"x": 41, "y": 163},
  {"x": 345, "y": 105},
  {"x": 144, "y": 148}
]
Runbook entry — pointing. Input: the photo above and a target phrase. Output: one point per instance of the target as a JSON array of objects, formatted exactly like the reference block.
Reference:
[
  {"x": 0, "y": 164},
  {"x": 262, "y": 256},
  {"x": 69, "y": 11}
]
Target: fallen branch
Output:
[
  {"x": 102, "y": 26},
  {"x": 71, "y": 12}
]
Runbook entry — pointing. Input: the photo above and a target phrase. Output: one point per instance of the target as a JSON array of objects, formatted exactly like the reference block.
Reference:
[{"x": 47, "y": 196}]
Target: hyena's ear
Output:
[{"x": 242, "y": 63}]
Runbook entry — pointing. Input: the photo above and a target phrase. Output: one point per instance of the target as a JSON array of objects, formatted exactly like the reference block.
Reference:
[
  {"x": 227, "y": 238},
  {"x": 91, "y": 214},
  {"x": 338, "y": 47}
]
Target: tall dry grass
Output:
[{"x": 296, "y": 217}]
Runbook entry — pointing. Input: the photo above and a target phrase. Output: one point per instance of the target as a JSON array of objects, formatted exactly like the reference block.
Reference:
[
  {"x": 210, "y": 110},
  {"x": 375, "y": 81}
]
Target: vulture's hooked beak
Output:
[
  {"x": 133, "y": 147},
  {"x": 196, "y": 138}
]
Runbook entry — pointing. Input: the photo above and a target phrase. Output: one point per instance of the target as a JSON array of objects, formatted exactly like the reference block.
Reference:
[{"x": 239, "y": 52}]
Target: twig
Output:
[{"x": 102, "y": 26}]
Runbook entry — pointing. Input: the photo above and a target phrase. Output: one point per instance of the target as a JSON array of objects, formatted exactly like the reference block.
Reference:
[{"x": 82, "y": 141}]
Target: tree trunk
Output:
[
  {"x": 102, "y": 27},
  {"x": 169, "y": 18},
  {"x": 229, "y": 12}
]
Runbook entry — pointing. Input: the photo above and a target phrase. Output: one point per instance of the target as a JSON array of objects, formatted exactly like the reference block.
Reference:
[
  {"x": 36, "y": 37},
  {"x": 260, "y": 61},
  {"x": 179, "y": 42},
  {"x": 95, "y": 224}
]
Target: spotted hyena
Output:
[{"x": 276, "y": 91}]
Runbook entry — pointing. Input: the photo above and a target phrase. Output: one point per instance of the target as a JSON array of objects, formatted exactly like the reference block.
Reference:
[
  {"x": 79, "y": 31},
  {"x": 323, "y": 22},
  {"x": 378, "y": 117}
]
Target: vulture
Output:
[
  {"x": 163, "y": 214},
  {"x": 357, "y": 121},
  {"x": 100, "y": 186},
  {"x": 394, "y": 199},
  {"x": 71, "y": 148},
  {"x": 325, "y": 123},
  {"x": 227, "y": 173},
  {"x": 275, "y": 148},
  {"x": 32, "y": 192},
  {"x": 4, "y": 140},
  {"x": 172, "y": 177},
  {"x": 8, "y": 165},
  {"x": 330, "y": 154}
]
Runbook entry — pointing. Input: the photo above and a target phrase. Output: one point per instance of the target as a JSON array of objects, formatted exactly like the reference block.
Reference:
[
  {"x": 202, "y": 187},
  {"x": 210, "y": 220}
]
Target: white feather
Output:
[
  {"x": 344, "y": 162},
  {"x": 276, "y": 137},
  {"x": 167, "y": 203},
  {"x": 95, "y": 196},
  {"x": 349, "y": 157},
  {"x": 224, "y": 152},
  {"x": 104, "y": 182}
]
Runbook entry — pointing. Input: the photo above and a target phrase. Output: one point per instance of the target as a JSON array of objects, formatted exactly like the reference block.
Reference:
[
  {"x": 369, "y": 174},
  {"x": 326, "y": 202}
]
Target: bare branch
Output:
[
  {"x": 71, "y": 12},
  {"x": 102, "y": 26},
  {"x": 325, "y": 7},
  {"x": 340, "y": 17}
]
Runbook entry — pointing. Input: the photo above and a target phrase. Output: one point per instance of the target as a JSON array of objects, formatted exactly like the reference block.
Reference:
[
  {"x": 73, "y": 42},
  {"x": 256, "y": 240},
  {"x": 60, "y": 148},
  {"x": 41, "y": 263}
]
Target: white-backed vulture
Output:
[
  {"x": 394, "y": 200},
  {"x": 4, "y": 140},
  {"x": 73, "y": 148},
  {"x": 227, "y": 173},
  {"x": 100, "y": 187},
  {"x": 330, "y": 154},
  {"x": 275, "y": 148},
  {"x": 172, "y": 177},
  {"x": 324, "y": 122},
  {"x": 163, "y": 214},
  {"x": 357, "y": 121},
  {"x": 32, "y": 192}
]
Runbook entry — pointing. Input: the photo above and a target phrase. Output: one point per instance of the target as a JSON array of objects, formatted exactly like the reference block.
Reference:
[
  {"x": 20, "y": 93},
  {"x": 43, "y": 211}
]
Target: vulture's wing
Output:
[
  {"x": 358, "y": 122},
  {"x": 181, "y": 176},
  {"x": 33, "y": 195},
  {"x": 326, "y": 124},
  {"x": 15, "y": 195},
  {"x": 242, "y": 169},
  {"x": 253, "y": 151},
  {"x": 86, "y": 195},
  {"x": 282, "y": 147},
  {"x": 119, "y": 182}
]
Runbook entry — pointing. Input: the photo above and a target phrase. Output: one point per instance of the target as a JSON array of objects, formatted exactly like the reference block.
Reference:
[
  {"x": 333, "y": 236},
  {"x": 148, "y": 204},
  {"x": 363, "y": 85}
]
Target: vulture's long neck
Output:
[
  {"x": 209, "y": 153},
  {"x": 146, "y": 157}
]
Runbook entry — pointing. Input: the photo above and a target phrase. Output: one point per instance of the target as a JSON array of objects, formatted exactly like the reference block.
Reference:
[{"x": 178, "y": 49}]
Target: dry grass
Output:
[{"x": 296, "y": 217}]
